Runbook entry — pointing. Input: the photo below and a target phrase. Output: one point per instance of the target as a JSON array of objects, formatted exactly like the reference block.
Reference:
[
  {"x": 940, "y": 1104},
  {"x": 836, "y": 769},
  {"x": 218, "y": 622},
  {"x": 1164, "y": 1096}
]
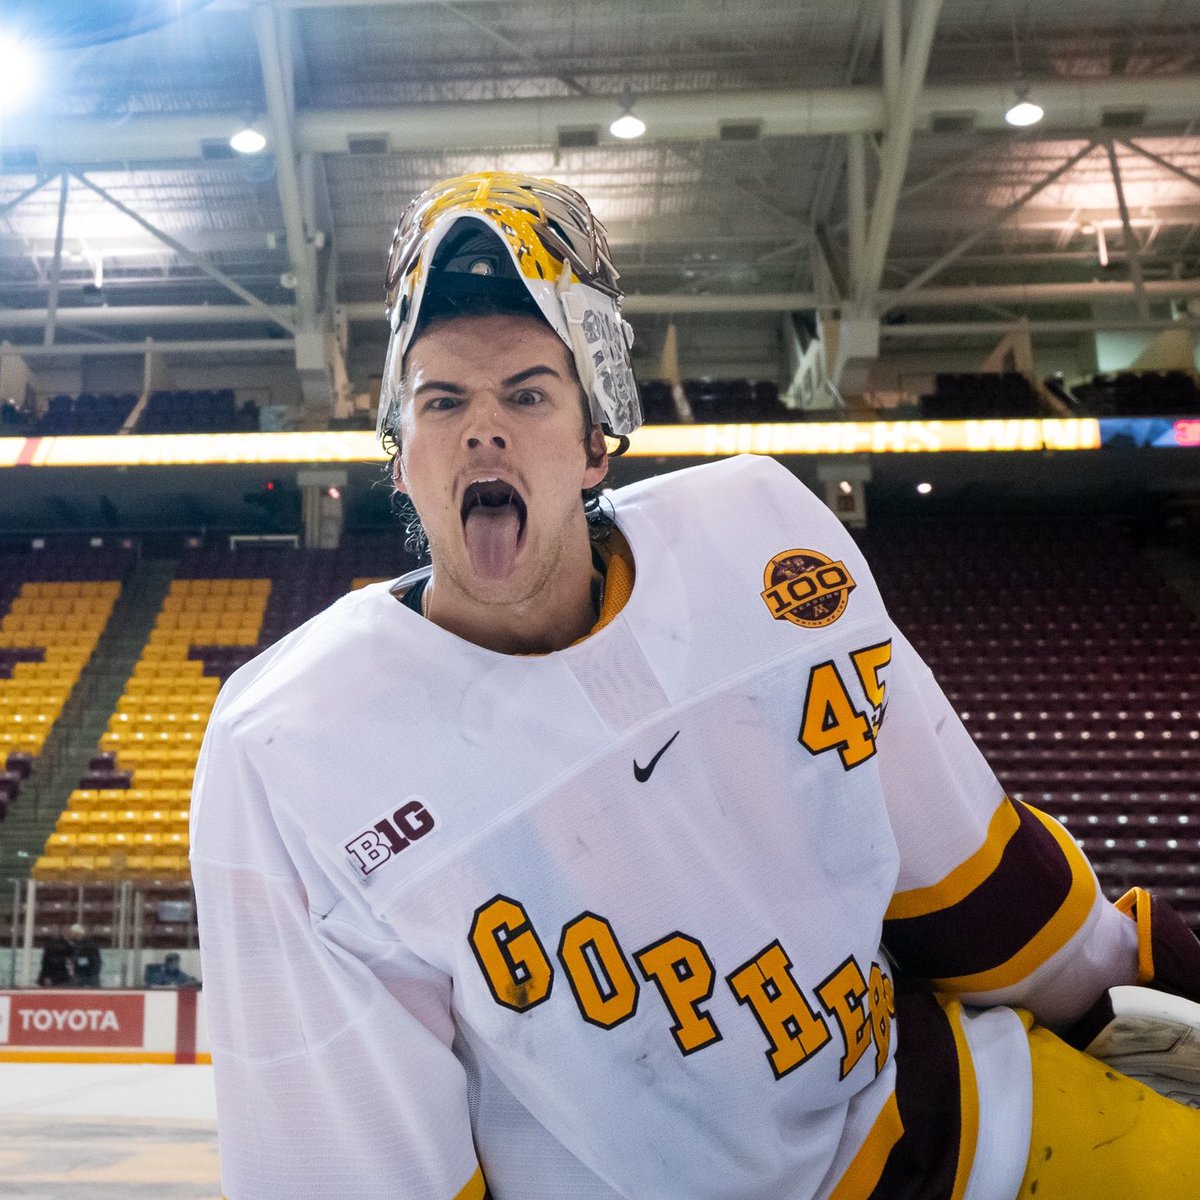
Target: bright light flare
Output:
[
  {"x": 627, "y": 126},
  {"x": 924, "y": 488},
  {"x": 248, "y": 141},
  {"x": 1024, "y": 113},
  {"x": 19, "y": 71}
]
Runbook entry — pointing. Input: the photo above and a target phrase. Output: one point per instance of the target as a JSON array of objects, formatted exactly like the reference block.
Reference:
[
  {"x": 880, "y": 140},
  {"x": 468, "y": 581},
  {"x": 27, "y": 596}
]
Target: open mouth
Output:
[
  {"x": 494, "y": 497},
  {"x": 493, "y": 517}
]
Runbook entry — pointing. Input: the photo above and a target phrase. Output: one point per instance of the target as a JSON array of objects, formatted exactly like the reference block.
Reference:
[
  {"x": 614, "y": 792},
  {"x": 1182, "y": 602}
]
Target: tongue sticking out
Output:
[{"x": 492, "y": 535}]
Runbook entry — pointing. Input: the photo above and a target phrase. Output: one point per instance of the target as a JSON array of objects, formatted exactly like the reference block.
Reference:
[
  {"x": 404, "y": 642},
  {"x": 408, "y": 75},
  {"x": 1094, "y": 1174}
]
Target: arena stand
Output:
[
  {"x": 117, "y": 857},
  {"x": 54, "y": 604},
  {"x": 214, "y": 410},
  {"x": 1077, "y": 672},
  {"x": 1139, "y": 394}
]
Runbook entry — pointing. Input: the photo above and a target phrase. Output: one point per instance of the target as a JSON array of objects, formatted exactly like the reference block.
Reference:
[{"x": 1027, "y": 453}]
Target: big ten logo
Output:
[
  {"x": 390, "y": 834},
  {"x": 806, "y": 587}
]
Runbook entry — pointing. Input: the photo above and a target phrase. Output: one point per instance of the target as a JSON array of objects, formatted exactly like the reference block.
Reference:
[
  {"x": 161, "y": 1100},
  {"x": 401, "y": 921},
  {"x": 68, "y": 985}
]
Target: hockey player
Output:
[{"x": 641, "y": 858}]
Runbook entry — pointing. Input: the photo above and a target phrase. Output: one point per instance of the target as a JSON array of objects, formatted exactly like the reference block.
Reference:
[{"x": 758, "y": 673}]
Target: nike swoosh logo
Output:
[{"x": 641, "y": 774}]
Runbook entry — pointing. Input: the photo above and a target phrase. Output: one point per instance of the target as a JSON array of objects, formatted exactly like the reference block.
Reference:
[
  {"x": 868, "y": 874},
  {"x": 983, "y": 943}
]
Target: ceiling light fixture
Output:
[
  {"x": 627, "y": 125},
  {"x": 1024, "y": 112},
  {"x": 248, "y": 140},
  {"x": 924, "y": 488}
]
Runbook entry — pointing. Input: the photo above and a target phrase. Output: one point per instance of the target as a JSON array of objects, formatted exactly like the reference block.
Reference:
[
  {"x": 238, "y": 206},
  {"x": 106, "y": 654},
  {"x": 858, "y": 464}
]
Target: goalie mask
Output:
[{"x": 524, "y": 240}]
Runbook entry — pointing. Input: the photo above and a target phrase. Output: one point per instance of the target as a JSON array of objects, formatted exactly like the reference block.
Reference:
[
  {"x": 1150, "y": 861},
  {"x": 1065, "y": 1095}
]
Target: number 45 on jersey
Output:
[{"x": 830, "y": 721}]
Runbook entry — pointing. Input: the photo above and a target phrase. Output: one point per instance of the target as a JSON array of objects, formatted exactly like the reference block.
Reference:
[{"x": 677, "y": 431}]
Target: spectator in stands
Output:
[
  {"x": 172, "y": 975},
  {"x": 518, "y": 878},
  {"x": 12, "y": 420},
  {"x": 57, "y": 962},
  {"x": 85, "y": 957}
]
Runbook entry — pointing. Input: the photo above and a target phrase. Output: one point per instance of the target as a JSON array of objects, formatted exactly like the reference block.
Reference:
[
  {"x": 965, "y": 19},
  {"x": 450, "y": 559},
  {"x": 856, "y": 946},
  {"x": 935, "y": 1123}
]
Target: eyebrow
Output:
[
  {"x": 455, "y": 389},
  {"x": 529, "y": 373}
]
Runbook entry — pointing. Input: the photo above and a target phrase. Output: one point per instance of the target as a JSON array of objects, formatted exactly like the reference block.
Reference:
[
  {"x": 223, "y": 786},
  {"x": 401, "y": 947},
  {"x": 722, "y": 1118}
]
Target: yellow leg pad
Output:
[{"x": 1102, "y": 1135}]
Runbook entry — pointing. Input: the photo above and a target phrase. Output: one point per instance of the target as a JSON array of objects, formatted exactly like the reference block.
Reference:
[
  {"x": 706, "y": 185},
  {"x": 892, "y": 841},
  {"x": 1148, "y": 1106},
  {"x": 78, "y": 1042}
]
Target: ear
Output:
[
  {"x": 596, "y": 449},
  {"x": 398, "y": 473}
]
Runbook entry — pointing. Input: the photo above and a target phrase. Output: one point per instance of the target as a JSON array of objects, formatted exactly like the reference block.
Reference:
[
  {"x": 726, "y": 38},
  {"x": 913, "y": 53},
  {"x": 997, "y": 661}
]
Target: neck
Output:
[{"x": 556, "y": 613}]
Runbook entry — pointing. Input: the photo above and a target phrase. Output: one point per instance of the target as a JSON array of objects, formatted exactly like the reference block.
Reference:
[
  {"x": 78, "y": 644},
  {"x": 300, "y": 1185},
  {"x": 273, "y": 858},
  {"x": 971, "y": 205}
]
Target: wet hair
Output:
[{"x": 493, "y": 299}]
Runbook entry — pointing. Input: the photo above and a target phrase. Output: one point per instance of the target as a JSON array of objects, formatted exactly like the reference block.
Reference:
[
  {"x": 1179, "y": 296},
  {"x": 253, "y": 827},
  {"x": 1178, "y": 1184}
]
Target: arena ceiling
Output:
[{"x": 798, "y": 153}]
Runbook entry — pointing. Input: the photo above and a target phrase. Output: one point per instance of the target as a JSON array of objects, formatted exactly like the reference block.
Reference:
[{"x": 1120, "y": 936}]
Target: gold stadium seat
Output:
[
  {"x": 50, "y": 867},
  {"x": 139, "y": 864},
  {"x": 169, "y": 865}
]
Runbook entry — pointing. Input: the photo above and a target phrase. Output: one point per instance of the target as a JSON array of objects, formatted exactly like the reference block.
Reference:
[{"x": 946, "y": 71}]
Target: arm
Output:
[
  {"x": 331, "y": 1041},
  {"x": 995, "y": 903}
]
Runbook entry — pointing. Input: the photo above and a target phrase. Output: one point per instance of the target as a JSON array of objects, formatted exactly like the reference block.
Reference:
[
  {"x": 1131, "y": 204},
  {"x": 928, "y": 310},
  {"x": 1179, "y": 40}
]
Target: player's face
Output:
[{"x": 494, "y": 456}]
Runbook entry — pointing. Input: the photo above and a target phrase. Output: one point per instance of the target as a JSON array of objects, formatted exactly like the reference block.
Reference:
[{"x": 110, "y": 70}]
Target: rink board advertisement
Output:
[{"x": 100, "y": 1025}]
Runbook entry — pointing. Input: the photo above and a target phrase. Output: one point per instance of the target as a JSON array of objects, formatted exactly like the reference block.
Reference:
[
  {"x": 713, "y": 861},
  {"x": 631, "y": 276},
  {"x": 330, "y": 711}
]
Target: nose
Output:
[{"x": 485, "y": 427}]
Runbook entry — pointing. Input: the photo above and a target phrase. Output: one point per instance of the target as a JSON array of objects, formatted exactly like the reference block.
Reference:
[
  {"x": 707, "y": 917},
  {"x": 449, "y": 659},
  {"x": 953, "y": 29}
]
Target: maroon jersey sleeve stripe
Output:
[{"x": 994, "y": 921}]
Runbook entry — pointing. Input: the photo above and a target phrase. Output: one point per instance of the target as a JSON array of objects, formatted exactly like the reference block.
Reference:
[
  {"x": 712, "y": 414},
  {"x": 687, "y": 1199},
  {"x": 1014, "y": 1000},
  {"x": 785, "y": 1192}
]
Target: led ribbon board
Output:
[
  {"x": 651, "y": 441},
  {"x": 1154, "y": 432}
]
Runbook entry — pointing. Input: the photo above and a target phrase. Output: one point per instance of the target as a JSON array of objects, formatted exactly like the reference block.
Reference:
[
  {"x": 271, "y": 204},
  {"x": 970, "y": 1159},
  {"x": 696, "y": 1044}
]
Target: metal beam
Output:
[
  {"x": 1133, "y": 254},
  {"x": 373, "y": 239},
  {"x": 865, "y": 42},
  {"x": 9, "y": 205},
  {"x": 644, "y": 304},
  {"x": 183, "y": 252},
  {"x": 960, "y": 163},
  {"x": 994, "y": 222},
  {"x": 678, "y": 116},
  {"x": 1166, "y": 164},
  {"x": 139, "y": 314},
  {"x": 64, "y": 190},
  {"x": 993, "y": 329},
  {"x": 901, "y": 123},
  {"x": 216, "y": 346},
  {"x": 1034, "y": 293},
  {"x": 856, "y": 206},
  {"x": 275, "y": 85},
  {"x": 892, "y": 53},
  {"x": 1042, "y": 216}
]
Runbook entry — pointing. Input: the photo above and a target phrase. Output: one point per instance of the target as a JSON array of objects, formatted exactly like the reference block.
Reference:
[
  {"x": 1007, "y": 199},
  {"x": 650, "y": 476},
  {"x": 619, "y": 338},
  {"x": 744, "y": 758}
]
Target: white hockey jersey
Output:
[{"x": 611, "y": 922}]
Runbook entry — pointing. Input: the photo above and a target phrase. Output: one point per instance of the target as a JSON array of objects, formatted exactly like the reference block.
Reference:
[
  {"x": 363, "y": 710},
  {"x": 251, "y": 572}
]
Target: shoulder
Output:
[
  {"x": 732, "y": 496},
  {"x": 743, "y": 480},
  {"x": 320, "y": 658}
]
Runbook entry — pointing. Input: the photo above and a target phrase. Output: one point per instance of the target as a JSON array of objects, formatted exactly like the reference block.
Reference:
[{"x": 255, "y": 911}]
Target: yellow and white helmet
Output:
[{"x": 495, "y": 230}]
